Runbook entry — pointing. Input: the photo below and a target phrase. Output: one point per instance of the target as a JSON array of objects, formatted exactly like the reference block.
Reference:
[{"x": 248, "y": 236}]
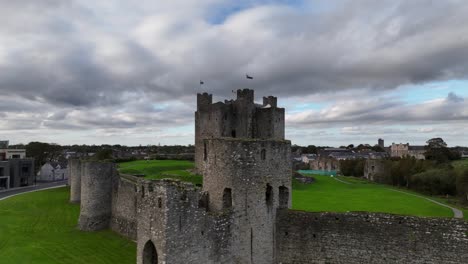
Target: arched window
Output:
[
  {"x": 150, "y": 256},
  {"x": 269, "y": 195},
  {"x": 263, "y": 154},
  {"x": 227, "y": 198},
  {"x": 283, "y": 197}
]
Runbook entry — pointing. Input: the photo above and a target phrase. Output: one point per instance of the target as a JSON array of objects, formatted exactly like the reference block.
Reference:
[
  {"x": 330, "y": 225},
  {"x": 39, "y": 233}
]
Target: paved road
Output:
[{"x": 39, "y": 186}]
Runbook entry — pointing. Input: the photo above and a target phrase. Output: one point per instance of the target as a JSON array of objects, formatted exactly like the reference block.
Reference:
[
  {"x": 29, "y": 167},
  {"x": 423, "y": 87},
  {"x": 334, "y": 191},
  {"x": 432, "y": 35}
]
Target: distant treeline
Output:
[
  {"x": 43, "y": 152},
  {"x": 312, "y": 149}
]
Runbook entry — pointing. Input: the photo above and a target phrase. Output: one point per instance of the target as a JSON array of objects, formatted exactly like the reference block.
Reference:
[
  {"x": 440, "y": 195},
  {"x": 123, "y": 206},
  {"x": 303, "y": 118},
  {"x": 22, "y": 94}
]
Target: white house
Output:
[
  {"x": 52, "y": 171},
  {"x": 306, "y": 158}
]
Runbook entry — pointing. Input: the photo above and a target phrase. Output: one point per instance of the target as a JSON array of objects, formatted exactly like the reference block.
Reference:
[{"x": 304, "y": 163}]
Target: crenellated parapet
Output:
[{"x": 239, "y": 118}]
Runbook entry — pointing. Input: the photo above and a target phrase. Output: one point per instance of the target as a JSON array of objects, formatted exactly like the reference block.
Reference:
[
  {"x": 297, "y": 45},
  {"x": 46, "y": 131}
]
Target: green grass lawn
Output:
[
  {"x": 328, "y": 194},
  {"x": 161, "y": 169},
  {"x": 460, "y": 165},
  {"x": 39, "y": 227}
]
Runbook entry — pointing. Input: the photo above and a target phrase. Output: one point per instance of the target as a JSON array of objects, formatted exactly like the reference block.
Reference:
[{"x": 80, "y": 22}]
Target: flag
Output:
[{"x": 248, "y": 77}]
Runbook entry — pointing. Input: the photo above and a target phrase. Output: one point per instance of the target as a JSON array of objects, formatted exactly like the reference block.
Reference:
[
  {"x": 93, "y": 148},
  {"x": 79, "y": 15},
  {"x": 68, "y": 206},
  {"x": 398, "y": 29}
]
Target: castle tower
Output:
[
  {"x": 381, "y": 143},
  {"x": 74, "y": 168},
  {"x": 96, "y": 195},
  {"x": 247, "y": 173},
  {"x": 240, "y": 118}
]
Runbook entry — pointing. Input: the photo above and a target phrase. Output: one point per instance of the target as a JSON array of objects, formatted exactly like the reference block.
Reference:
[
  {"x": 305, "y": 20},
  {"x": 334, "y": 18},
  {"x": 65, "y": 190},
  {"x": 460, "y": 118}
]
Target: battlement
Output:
[
  {"x": 204, "y": 100},
  {"x": 245, "y": 95},
  {"x": 240, "y": 118},
  {"x": 272, "y": 101}
]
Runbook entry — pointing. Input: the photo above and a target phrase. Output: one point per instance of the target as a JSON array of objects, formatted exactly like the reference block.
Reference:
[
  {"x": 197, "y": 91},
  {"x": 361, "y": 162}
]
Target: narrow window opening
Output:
[
  {"x": 204, "y": 151},
  {"x": 159, "y": 202},
  {"x": 227, "y": 198},
  {"x": 233, "y": 133},
  {"x": 283, "y": 197},
  {"x": 263, "y": 154},
  {"x": 269, "y": 195}
]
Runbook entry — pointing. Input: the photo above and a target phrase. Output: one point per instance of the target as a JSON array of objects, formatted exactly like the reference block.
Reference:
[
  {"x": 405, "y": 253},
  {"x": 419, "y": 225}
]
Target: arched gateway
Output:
[{"x": 150, "y": 256}]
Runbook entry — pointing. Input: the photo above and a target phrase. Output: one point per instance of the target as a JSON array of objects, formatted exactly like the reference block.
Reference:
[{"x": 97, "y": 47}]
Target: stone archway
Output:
[{"x": 150, "y": 255}]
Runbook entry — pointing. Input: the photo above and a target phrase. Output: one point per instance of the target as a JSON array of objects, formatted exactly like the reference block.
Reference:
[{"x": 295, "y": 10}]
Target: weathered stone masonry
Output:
[
  {"x": 241, "y": 214},
  {"x": 305, "y": 237}
]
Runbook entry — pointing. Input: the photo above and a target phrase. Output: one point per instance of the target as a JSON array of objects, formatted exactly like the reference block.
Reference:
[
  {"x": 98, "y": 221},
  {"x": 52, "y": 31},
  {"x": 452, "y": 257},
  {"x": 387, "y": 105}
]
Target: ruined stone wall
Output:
[
  {"x": 124, "y": 206},
  {"x": 325, "y": 164},
  {"x": 377, "y": 170},
  {"x": 304, "y": 237},
  {"x": 175, "y": 218},
  {"x": 252, "y": 178}
]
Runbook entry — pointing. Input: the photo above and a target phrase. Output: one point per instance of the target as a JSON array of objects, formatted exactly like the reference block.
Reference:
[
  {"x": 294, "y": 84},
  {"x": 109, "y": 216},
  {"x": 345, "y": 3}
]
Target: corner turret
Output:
[
  {"x": 246, "y": 95},
  {"x": 204, "y": 100},
  {"x": 270, "y": 100}
]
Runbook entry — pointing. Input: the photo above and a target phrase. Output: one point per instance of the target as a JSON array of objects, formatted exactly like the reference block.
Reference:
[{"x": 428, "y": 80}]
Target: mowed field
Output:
[
  {"x": 329, "y": 194},
  {"x": 40, "y": 227},
  {"x": 160, "y": 169}
]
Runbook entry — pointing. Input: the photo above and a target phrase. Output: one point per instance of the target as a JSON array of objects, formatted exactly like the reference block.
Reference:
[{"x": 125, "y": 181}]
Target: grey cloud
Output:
[
  {"x": 80, "y": 63},
  {"x": 454, "y": 98},
  {"x": 381, "y": 111}
]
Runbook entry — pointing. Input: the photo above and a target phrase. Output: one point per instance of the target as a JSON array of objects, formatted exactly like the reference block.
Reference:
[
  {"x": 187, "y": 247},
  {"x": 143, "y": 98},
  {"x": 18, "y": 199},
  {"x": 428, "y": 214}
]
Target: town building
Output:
[
  {"x": 53, "y": 171},
  {"x": 15, "y": 169},
  {"x": 402, "y": 150}
]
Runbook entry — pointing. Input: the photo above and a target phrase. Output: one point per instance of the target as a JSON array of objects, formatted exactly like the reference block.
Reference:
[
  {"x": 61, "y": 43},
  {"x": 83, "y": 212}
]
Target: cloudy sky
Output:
[{"x": 127, "y": 71}]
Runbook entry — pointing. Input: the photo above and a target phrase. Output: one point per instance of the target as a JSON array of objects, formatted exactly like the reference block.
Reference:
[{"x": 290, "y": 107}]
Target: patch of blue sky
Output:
[
  {"x": 224, "y": 11},
  {"x": 160, "y": 107},
  {"x": 306, "y": 106},
  {"x": 414, "y": 94}
]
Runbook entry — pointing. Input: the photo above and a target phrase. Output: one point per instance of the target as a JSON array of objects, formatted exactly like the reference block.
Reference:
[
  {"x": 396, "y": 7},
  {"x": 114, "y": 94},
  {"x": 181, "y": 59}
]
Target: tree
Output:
[
  {"x": 437, "y": 150},
  {"x": 104, "y": 154},
  {"x": 462, "y": 185},
  {"x": 435, "y": 143},
  {"x": 42, "y": 152}
]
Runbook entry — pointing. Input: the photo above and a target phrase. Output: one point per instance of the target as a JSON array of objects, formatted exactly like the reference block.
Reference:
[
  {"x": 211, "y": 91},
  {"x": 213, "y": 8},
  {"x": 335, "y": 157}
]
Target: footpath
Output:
[{"x": 4, "y": 194}]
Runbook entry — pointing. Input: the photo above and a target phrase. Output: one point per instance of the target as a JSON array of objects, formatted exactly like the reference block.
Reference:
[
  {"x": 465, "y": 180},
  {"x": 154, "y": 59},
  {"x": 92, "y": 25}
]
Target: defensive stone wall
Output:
[
  {"x": 74, "y": 167},
  {"x": 124, "y": 206},
  {"x": 253, "y": 178},
  {"x": 97, "y": 180},
  {"x": 174, "y": 221},
  {"x": 304, "y": 237}
]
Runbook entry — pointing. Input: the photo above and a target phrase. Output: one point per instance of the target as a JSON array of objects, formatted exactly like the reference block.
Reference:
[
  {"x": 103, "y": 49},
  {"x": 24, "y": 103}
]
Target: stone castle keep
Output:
[{"x": 242, "y": 213}]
